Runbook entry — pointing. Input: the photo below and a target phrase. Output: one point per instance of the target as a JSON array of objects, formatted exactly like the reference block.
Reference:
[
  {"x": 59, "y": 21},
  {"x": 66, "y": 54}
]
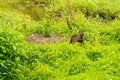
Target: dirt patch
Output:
[{"x": 38, "y": 38}]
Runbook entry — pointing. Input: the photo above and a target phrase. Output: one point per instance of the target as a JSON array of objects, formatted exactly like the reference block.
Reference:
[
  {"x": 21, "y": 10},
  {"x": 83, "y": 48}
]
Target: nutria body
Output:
[{"x": 77, "y": 37}]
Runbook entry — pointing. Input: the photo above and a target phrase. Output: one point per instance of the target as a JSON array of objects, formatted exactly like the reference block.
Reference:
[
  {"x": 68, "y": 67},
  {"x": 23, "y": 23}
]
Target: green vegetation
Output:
[{"x": 98, "y": 58}]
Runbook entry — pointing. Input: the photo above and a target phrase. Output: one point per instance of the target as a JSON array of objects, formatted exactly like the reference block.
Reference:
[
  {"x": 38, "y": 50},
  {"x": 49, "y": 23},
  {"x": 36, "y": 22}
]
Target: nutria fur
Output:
[{"x": 77, "y": 37}]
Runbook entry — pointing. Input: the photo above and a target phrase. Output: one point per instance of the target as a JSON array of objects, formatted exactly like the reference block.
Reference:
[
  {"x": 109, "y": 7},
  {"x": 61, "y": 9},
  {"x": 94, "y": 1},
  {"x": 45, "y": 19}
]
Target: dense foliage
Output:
[{"x": 98, "y": 58}]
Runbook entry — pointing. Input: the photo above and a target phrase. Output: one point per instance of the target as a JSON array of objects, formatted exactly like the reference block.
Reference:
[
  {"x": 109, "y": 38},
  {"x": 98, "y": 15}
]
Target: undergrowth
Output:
[{"x": 96, "y": 59}]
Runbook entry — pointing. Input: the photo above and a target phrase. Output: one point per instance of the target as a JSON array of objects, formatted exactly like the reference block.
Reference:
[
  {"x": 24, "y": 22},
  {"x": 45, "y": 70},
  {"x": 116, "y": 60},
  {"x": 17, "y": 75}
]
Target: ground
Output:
[{"x": 38, "y": 38}]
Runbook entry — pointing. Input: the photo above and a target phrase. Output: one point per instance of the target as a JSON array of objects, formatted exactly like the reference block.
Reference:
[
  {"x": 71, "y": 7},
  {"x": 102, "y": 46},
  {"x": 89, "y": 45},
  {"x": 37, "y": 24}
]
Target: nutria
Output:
[{"x": 77, "y": 37}]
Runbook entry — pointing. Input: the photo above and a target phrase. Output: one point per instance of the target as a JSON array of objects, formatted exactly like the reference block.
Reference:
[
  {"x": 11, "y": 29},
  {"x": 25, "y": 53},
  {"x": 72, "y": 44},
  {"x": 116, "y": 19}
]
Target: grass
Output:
[{"x": 97, "y": 59}]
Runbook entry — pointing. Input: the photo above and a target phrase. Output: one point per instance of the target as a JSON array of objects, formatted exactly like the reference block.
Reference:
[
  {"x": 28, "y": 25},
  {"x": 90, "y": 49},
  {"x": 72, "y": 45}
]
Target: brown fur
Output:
[{"x": 77, "y": 37}]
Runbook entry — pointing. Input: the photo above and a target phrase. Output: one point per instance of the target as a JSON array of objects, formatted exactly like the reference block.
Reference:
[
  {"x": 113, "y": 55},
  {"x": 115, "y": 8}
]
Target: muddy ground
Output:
[{"x": 38, "y": 38}]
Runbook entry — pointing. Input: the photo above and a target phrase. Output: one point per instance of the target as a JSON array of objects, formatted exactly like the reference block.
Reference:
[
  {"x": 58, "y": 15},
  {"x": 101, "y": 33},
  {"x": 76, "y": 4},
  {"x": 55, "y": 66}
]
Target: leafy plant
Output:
[{"x": 11, "y": 52}]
